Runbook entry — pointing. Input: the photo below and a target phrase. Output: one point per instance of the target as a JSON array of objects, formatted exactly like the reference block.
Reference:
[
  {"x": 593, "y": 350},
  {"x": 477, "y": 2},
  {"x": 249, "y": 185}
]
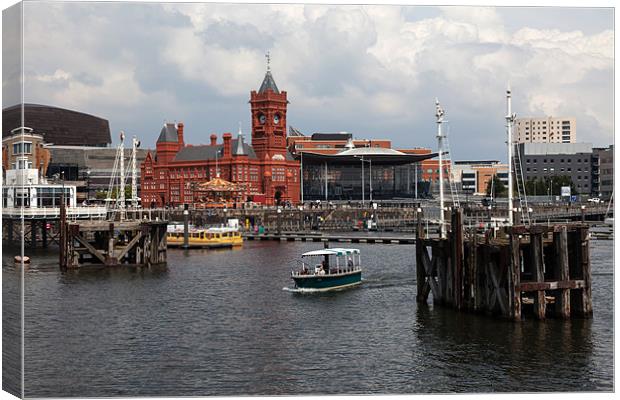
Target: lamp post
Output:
[
  {"x": 363, "y": 183},
  {"x": 62, "y": 178},
  {"x": 363, "y": 200}
]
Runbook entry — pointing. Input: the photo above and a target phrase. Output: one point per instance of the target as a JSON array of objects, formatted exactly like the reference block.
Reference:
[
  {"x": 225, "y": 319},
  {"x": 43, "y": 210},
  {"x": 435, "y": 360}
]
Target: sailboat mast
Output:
[{"x": 509, "y": 120}]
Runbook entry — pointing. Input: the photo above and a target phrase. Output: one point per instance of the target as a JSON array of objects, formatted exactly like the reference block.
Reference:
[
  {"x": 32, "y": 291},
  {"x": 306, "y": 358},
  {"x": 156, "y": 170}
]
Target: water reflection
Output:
[{"x": 474, "y": 351}]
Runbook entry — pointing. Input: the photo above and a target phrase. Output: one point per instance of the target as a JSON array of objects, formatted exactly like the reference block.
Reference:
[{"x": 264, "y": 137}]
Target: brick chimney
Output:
[
  {"x": 213, "y": 139},
  {"x": 227, "y": 144},
  {"x": 180, "y": 135}
]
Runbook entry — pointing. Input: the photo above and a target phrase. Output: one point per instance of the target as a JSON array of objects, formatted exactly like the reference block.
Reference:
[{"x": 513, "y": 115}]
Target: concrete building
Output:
[
  {"x": 546, "y": 130},
  {"x": 473, "y": 176},
  {"x": 546, "y": 160},
  {"x": 603, "y": 160}
]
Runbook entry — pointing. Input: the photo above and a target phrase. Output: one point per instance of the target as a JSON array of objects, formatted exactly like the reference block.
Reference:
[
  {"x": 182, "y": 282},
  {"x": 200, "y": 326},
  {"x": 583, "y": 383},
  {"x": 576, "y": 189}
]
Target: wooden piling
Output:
[
  {"x": 562, "y": 298},
  {"x": 511, "y": 275},
  {"x": 537, "y": 260}
]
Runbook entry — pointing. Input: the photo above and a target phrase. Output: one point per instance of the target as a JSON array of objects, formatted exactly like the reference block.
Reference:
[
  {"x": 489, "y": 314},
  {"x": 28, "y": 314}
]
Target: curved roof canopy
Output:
[{"x": 375, "y": 154}]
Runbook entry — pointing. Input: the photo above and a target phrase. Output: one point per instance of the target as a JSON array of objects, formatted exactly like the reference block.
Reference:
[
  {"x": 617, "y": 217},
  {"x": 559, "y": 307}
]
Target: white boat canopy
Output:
[{"x": 331, "y": 252}]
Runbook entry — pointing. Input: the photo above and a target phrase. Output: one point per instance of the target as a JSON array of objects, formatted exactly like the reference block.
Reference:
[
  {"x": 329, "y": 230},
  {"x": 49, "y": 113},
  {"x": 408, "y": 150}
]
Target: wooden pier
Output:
[
  {"x": 539, "y": 270},
  {"x": 112, "y": 243}
]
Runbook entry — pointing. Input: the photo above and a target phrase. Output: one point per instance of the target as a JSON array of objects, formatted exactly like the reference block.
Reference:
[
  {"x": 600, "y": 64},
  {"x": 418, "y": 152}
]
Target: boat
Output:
[
  {"x": 20, "y": 259},
  {"x": 205, "y": 237},
  {"x": 328, "y": 269}
]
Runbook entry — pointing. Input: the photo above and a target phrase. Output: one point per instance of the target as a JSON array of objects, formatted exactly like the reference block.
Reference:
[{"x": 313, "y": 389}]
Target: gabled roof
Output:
[
  {"x": 168, "y": 133},
  {"x": 268, "y": 83}
]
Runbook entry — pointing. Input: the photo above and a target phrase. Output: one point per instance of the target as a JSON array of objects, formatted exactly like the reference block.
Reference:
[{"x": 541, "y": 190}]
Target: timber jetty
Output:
[
  {"x": 542, "y": 270},
  {"x": 138, "y": 241}
]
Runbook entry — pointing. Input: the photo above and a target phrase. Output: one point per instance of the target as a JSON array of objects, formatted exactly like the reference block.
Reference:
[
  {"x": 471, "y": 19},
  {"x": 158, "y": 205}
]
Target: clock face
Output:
[
  {"x": 262, "y": 118},
  {"x": 276, "y": 119}
]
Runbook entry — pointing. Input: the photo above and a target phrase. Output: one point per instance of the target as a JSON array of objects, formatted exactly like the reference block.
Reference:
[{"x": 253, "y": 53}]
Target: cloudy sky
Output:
[{"x": 370, "y": 70}]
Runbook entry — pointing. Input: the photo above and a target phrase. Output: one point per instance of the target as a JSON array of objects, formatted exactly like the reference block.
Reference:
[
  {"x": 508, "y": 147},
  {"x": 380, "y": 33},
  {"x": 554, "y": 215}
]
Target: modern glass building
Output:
[{"x": 366, "y": 173}]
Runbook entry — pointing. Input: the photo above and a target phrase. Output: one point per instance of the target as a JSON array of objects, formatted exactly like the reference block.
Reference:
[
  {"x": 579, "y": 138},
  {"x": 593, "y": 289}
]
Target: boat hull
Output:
[
  {"x": 322, "y": 283},
  {"x": 205, "y": 245}
]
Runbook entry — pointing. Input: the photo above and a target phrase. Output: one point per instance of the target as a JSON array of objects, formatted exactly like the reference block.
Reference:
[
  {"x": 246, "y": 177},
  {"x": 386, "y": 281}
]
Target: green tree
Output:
[
  {"x": 548, "y": 186},
  {"x": 497, "y": 186},
  {"x": 103, "y": 194}
]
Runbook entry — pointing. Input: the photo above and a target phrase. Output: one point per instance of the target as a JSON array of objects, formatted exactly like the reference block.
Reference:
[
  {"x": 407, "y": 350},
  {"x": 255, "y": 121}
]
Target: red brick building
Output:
[{"x": 266, "y": 169}]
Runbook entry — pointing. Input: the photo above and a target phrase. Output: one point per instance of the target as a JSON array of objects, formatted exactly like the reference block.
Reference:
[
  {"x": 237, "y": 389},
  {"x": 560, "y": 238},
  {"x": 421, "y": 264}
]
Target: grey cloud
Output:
[
  {"x": 11, "y": 56},
  {"x": 231, "y": 35}
]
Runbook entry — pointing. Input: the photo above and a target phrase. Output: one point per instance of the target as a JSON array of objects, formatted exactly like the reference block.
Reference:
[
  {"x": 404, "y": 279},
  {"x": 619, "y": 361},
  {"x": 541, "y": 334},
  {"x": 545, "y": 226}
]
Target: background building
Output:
[
  {"x": 546, "y": 130},
  {"x": 266, "y": 170},
  {"x": 330, "y": 143},
  {"x": 57, "y": 125},
  {"x": 473, "y": 176},
  {"x": 546, "y": 160},
  {"x": 603, "y": 160}
]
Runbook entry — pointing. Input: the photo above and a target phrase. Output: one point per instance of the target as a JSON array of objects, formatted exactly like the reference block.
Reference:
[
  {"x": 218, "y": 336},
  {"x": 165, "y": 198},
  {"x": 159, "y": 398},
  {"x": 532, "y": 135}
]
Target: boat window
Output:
[{"x": 202, "y": 235}]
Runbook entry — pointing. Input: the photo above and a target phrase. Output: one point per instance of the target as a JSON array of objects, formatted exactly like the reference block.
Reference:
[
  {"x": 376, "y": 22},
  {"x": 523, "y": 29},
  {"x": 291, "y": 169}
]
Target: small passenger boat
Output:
[
  {"x": 19, "y": 259},
  {"x": 328, "y": 269},
  {"x": 206, "y": 237}
]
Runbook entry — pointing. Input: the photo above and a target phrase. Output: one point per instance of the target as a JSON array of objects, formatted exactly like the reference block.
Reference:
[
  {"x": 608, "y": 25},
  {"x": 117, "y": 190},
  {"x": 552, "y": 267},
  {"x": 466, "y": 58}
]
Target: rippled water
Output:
[{"x": 220, "y": 323}]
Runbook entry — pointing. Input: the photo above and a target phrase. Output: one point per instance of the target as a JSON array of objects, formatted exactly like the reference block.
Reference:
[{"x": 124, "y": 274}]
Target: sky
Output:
[{"x": 374, "y": 71}]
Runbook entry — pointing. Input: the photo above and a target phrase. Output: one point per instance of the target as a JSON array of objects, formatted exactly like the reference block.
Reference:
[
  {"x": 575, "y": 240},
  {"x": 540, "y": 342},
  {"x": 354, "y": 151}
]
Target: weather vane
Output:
[{"x": 268, "y": 57}]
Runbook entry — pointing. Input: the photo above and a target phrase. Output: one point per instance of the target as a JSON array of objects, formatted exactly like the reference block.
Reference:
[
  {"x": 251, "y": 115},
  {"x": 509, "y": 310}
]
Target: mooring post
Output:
[
  {"x": 33, "y": 234},
  {"x": 63, "y": 235},
  {"x": 186, "y": 228},
  {"x": 472, "y": 273},
  {"x": 456, "y": 242},
  {"x": 536, "y": 247},
  {"x": 110, "y": 258},
  {"x": 44, "y": 233},
  {"x": 584, "y": 304},
  {"x": 419, "y": 261},
  {"x": 562, "y": 299},
  {"x": 514, "y": 276}
]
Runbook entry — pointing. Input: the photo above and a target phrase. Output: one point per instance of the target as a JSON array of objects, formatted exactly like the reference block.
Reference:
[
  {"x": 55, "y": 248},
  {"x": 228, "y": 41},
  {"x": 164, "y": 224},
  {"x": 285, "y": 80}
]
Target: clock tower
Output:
[{"x": 268, "y": 107}]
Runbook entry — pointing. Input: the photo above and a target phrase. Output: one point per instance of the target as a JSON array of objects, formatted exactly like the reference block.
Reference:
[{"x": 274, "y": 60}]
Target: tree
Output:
[
  {"x": 548, "y": 186},
  {"x": 103, "y": 194},
  {"x": 497, "y": 186}
]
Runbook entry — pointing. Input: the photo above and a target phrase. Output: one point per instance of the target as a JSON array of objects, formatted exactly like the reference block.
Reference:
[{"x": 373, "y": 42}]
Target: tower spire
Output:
[{"x": 268, "y": 57}]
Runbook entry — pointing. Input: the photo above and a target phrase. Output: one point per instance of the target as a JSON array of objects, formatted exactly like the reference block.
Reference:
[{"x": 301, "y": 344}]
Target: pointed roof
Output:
[
  {"x": 268, "y": 83},
  {"x": 239, "y": 149},
  {"x": 168, "y": 133}
]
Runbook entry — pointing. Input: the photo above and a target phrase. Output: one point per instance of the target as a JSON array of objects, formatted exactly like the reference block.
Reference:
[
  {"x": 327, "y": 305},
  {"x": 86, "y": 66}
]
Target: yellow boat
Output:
[{"x": 206, "y": 238}]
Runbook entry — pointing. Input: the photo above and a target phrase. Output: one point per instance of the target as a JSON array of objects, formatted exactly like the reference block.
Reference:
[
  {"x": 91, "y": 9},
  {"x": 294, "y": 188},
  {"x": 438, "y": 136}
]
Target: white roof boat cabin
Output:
[{"x": 328, "y": 269}]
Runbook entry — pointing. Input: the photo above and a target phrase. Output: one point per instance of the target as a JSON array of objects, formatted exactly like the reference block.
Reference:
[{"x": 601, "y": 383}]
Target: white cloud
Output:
[{"x": 363, "y": 68}]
